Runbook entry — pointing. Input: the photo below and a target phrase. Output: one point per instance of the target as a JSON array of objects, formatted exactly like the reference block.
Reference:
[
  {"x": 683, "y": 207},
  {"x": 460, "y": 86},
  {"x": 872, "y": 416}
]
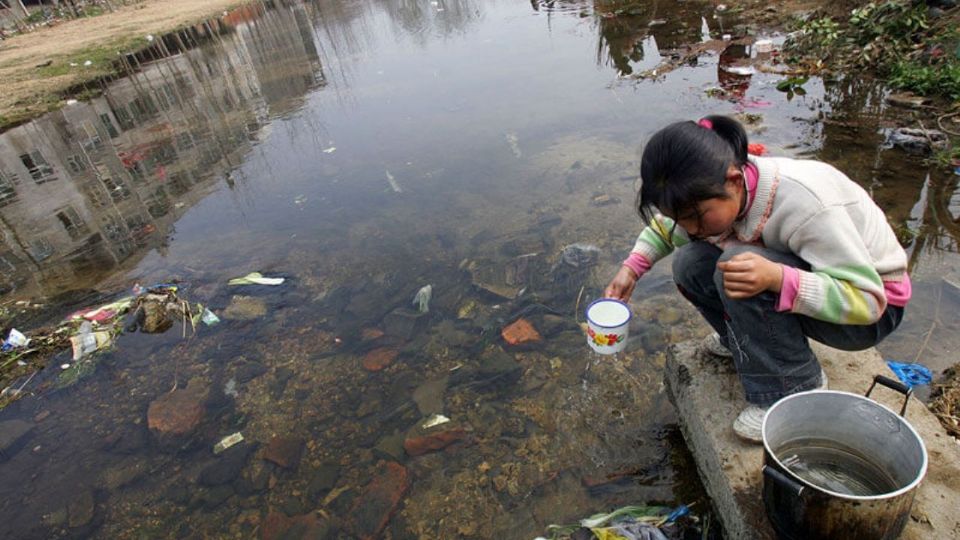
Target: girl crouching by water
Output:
[{"x": 771, "y": 251}]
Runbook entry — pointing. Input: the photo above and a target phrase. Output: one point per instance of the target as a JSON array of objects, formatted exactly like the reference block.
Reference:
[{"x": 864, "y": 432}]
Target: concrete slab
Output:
[{"x": 708, "y": 398}]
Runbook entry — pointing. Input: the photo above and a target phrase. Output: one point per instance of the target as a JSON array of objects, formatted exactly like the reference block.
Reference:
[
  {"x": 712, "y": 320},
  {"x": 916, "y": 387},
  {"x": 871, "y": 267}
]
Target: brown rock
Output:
[
  {"x": 379, "y": 500},
  {"x": 81, "y": 510},
  {"x": 520, "y": 331},
  {"x": 379, "y": 358},
  {"x": 41, "y": 416},
  {"x": 284, "y": 451},
  {"x": 306, "y": 526},
  {"x": 439, "y": 439},
  {"x": 371, "y": 334},
  {"x": 178, "y": 412}
]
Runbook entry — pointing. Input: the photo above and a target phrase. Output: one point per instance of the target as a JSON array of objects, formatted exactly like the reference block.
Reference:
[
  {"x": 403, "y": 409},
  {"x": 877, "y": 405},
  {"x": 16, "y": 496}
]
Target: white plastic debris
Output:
[
  {"x": 88, "y": 63},
  {"x": 726, "y": 37},
  {"x": 435, "y": 420},
  {"x": 71, "y": 102},
  {"x": 209, "y": 318},
  {"x": 64, "y": 366},
  {"x": 149, "y": 37},
  {"x": 393, "y": 183},
  {"x": 255, "y": 278},
  {"x": 227, "y": 442},
  {"x": 763, "y": 46},
  {"x": 15, "y": 340},
  {"x": 330, "y": 150},
  {"x": 422, "y": 298}
]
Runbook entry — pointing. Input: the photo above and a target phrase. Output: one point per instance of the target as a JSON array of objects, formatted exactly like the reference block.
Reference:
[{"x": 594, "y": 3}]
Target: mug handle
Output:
[{"x": 893, "y": 385}]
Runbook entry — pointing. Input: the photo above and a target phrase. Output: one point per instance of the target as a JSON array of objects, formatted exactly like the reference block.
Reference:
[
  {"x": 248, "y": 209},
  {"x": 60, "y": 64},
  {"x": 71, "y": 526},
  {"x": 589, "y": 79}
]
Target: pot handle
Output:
[
  {"x": 893, "y": 385},
  {"x": 783, "y": 480}
]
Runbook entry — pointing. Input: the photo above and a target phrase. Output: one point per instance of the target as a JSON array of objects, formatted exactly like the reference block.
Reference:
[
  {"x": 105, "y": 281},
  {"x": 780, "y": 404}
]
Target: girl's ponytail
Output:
[
  {"x": 732, "y": 132},
  {"x": 686, "y": 162}
]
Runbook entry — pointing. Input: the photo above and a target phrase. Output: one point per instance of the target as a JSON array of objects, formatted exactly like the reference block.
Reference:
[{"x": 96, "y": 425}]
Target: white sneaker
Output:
[
  {"x": 749, "y": 424},
  {"x": 712, "y": 345}
]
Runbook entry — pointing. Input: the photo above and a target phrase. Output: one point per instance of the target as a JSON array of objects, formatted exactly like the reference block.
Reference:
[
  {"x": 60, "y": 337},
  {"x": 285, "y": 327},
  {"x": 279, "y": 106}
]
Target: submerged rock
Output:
[
  {"x": 321, "y": 480},
  {"x": 284, "y": 451},
  {"x": 277, "y": 526},
  {"x": 496, "y": 369},
  {"x": 520, "y": 332},
  {"x": 245, "y": 308},
  {"x": 422, "y": 440},
  {"x": 379, "y": 358},
  {"x": 178, "y": 412},
  {"x": 379, "y": 500},
  {"x": 12, "y": 434},
  {"x": 429, "y": 396},
  {"x": 404, "y": 323},
  {"x": 80, "y": 512},
  {"x": 227, "y": 467}
]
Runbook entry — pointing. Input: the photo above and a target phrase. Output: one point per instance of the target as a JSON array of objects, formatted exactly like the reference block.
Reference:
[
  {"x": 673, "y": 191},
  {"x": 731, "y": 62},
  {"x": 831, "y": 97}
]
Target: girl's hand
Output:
[
  {"x": 748, "y": 274},
  {"x": 621, "y": 287}
]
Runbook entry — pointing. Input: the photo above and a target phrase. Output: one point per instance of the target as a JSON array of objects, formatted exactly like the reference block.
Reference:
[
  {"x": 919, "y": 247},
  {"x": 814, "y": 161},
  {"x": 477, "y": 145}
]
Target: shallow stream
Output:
[{"x": 363, "y": 150}]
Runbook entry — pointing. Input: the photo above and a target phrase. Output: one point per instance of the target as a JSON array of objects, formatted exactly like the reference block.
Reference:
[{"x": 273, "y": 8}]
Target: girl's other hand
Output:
[
  {"x": 621, "y": 287},
  {"x": 749, "y": 274}
]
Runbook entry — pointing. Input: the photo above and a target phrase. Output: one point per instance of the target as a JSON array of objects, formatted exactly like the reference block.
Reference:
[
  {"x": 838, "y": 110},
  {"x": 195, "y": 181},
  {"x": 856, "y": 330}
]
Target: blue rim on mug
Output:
[{"x": 597, "y": 301}]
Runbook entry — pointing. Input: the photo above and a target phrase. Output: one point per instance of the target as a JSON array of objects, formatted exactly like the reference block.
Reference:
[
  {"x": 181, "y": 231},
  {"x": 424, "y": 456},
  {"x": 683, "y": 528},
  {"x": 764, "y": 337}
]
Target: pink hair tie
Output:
[{"x": 705, "y": 123}]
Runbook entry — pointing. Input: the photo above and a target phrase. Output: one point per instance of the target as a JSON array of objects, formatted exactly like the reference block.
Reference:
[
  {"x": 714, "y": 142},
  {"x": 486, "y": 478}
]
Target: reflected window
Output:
[
  {"x": 8, "y": 190},
  {"x": 117, "y": 189},
  {"x": 158, "y": 204},
  {"x": 137, "y": 172},
  {"x": 166, "y": 97},
  {"x": 123, "y": 118},
  {"x": 178, "y": 185},
  {"x": 72, "y": 222},
  {"x": 143, "y": 109},
  {"x": 93, "y": 142},
  {"x": 108, "y": 125},
  {"x": 40, "y": 249},
  {"x": 95, "y": 194},
  {"x": 76, "y": 163},
  {"x": 37, "y": 166}
]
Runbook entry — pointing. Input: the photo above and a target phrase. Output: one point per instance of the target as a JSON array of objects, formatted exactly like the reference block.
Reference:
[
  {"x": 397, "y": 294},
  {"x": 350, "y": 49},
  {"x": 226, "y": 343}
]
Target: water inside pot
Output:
[{"x": 836, "y": 468}]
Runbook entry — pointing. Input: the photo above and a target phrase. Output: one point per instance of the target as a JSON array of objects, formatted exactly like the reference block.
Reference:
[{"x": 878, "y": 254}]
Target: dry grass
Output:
[{"x": 946, "y": 401}]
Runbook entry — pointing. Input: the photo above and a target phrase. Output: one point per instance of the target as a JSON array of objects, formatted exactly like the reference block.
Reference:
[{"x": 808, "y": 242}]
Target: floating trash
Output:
[
  {"x": 422, "y": 298},
  {"x": 255, "y": 278},
  {"x": 435, "y": 420},
  {"x": 16, "y": 339},
  {"x": 227, "y": 442}
]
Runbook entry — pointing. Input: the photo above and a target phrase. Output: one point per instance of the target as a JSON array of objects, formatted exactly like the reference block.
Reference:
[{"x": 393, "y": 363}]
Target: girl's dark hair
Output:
[{"x": 686, "y": 162}]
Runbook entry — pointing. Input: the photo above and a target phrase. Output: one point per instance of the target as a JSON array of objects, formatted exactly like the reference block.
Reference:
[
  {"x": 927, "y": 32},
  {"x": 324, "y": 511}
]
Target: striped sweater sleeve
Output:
[
  {"x": 659, "y": 239},
  {"x": 842, "y": 285}
]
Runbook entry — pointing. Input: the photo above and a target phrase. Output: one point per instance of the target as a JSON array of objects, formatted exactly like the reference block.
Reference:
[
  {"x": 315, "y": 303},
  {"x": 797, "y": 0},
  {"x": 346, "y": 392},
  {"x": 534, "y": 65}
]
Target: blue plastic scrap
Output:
[{"x": 911, "y": 374}]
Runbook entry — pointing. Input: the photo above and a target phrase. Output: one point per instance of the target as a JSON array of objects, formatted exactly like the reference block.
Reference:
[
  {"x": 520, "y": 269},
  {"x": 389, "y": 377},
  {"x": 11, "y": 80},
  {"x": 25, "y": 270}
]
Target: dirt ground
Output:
[{"x": 28, "y": 90}]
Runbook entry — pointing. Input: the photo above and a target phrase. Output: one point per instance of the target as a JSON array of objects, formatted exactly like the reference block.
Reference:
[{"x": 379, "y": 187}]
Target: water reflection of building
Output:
[{"x": 98, "y": 184}]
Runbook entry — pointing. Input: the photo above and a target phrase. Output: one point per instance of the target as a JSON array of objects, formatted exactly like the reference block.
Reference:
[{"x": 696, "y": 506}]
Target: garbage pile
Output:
[
  {"x": 86, "y": 332},
  {"x": 631, "y": 523}
]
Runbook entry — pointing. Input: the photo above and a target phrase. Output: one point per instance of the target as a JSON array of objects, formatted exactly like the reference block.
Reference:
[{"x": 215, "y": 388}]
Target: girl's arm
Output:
[{"x": 655, "y": 242}]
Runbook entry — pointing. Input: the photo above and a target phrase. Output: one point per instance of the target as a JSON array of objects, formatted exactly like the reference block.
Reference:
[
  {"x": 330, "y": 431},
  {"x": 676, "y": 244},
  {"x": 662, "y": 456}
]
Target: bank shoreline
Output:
[{"x": 44, "y": 68}]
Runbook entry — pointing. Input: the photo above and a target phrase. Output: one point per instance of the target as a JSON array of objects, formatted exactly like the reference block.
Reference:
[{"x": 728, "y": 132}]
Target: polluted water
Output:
[{"x": 832, "y": 467}]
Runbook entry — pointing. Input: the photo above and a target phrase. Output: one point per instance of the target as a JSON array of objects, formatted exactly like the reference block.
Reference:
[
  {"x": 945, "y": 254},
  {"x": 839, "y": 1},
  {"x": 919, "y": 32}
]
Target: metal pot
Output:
[{"x": 840, "y": 465}]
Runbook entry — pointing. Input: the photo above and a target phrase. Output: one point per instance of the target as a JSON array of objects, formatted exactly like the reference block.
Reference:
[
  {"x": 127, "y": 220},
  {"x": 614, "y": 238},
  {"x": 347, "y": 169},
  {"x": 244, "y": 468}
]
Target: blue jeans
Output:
[{"x": 770, "y": 349}]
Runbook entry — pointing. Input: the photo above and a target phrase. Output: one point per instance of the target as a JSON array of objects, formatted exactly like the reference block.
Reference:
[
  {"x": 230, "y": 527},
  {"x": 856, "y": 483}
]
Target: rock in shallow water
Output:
[
  {"x": 13, "y": 432},
  {"x": 284, "y": 451},
  {"x": 376, "y": 504}
]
